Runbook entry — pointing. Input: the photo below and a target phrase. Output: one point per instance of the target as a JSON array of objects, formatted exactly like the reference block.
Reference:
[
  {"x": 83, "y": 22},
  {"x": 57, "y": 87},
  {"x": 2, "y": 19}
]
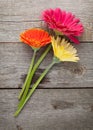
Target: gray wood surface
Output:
[
  {"x": 10, "y": 30},
  {"x": 15, "y": 60},
  {"x": 17, "y": 15},
  {"x": 63, "y": 100},
  {"x": 48, "y": 109}
]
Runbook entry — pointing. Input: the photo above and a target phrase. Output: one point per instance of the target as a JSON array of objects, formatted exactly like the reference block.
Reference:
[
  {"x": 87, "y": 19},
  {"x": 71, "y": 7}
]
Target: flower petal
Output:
[
  {"x": 64, "y": 22},
  {"x": 63, "y": 50},
  {"x": 35, "y": 37}
]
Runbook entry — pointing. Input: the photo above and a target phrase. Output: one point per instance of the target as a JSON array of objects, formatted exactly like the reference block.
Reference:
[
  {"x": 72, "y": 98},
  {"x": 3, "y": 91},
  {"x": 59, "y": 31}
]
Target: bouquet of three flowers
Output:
[{"x": 64, "y": 25}]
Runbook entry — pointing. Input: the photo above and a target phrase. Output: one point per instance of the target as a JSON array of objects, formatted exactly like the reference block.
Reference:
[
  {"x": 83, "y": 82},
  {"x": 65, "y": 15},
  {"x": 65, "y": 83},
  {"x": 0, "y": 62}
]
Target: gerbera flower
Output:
[
  {"x": 63, "y": 22},
  {"x": 63, "y": 50},
  {"x": 35, "y": 37}
]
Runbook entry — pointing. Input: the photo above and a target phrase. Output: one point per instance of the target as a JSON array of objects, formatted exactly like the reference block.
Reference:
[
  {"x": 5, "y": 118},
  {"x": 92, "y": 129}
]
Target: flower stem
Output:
[
  {"x": 33, "y": 71},
  {"x": 31, "y": 75},
  {"x": 33, "y": 88},
  {"x": 27, "y": 78}
]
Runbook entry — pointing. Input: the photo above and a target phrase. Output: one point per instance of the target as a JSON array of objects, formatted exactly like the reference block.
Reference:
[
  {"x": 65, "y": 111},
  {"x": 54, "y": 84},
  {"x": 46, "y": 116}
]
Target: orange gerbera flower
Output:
[{"x": 35, "y": 37}]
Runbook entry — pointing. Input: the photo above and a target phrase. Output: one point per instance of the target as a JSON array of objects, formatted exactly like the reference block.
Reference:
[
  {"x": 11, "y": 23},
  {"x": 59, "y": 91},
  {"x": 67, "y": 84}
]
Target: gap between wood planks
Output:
[
  {"x": 52, "y": 88},
  {"x": 71, "y": 42}
]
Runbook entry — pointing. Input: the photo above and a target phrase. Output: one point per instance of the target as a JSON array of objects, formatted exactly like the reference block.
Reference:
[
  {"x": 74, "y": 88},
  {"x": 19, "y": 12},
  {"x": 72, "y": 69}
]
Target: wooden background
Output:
[{"x": 64, "y": 99}]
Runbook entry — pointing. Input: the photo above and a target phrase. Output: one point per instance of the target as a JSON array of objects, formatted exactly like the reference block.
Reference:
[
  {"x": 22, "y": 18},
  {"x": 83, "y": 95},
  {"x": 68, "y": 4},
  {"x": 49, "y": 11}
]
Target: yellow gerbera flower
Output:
[{"x": 63, "y": 50}]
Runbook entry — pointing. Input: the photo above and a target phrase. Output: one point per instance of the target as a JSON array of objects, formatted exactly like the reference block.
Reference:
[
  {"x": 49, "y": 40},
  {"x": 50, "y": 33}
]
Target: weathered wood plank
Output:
[
  {"x": 21, "y": 10},
  {"x": 9, "y": 31},
  {"x": 48, "y": 110},
  {"x": 15, "y": 60},
  {"x": 15, "y": 16}
]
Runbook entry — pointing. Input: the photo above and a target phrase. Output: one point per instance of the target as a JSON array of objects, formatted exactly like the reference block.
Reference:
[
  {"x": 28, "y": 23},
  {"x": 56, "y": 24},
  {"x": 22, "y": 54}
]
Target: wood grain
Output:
[
  {"x": 48, "y": 110},
  {"x": 64, "y": 108},
  {"x": 21, "y": 10},
  {"x": 9, "y": 31},
  {"x": 15, "y": 60},
  {"x": 16, "y": 16}
]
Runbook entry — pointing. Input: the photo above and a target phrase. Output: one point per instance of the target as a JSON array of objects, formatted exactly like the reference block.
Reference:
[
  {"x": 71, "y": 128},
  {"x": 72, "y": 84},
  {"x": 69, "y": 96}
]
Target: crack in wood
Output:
[
  {"x": 58, "y": 104},
  {"x": 19, "y": 127}
]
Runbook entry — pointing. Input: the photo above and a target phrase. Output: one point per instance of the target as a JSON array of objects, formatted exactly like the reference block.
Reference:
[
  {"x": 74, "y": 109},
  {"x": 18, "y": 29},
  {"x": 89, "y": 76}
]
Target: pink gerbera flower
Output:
[{"x": 63, "y": 22}]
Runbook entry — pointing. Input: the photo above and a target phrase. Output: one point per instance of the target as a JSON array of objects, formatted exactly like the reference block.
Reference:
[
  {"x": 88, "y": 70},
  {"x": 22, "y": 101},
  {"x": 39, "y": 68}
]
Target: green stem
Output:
[
  {"x": 33, "y": 71},
  {"x": 33, "y": 88},
  {"x": 31, "y": 75},
  {"x": 27, "y": 78}
]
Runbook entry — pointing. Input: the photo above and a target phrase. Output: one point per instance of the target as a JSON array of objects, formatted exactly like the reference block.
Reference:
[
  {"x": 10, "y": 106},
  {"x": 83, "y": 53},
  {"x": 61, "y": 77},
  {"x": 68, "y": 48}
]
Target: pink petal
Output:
[{"x": 73, "y": 39}]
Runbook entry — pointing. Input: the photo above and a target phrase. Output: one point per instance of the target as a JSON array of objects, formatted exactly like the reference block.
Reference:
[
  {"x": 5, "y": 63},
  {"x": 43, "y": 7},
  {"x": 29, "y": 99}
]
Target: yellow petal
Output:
[{"x": 63, "y": 50}]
